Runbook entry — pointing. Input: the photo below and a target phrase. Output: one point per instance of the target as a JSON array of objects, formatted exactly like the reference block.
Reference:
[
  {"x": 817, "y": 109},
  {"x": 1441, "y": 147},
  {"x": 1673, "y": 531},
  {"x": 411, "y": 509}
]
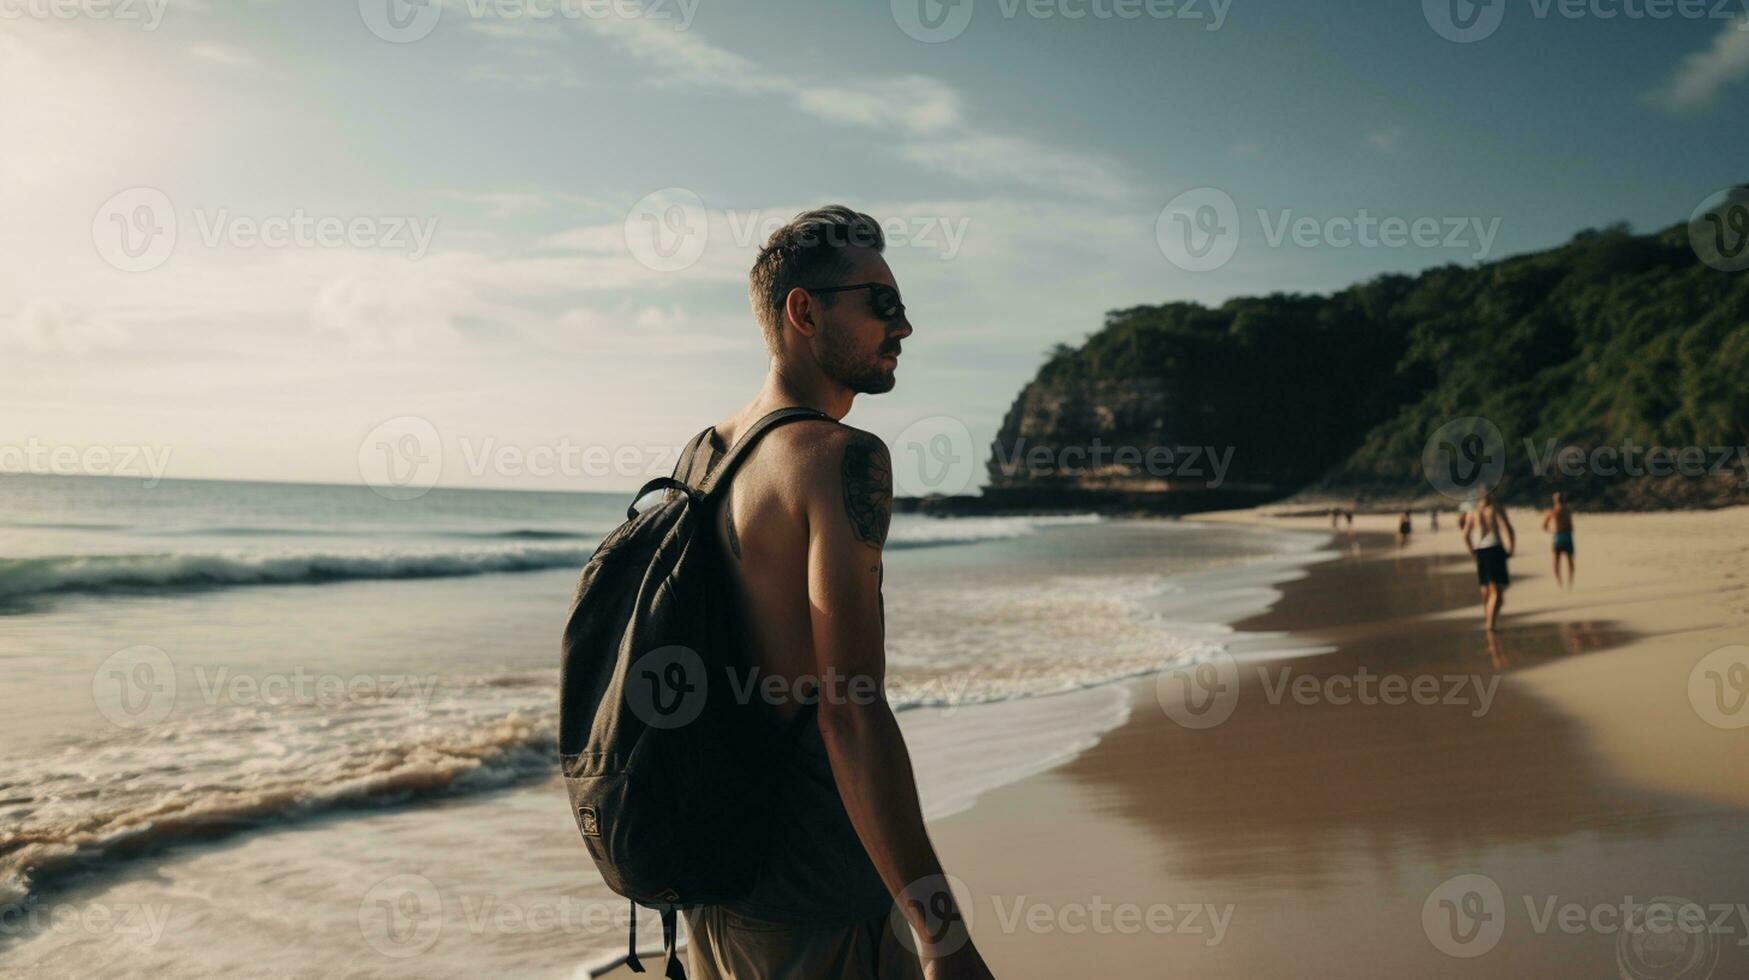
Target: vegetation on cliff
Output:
[{"x": 1613, "y": 339}]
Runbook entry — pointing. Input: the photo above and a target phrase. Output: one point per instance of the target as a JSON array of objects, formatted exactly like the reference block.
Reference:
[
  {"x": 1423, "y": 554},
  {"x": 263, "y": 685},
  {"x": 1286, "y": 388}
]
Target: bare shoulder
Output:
[
  {"x": 816, "y": 449},
  {"x": 844, "y": 469}
]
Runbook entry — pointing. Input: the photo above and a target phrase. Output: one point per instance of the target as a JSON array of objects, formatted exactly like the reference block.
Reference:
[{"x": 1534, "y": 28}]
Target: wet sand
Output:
[{"x": 1562, "y": 765}]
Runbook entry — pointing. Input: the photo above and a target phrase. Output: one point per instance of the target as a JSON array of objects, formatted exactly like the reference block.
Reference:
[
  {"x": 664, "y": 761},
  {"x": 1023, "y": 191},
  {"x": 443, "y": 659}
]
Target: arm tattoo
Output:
[{"x": 868, "y": 489}]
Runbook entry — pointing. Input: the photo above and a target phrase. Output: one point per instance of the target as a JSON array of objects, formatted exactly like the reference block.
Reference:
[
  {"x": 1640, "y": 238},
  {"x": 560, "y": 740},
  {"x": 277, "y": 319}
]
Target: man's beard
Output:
[{"x": 863, "y": 375}]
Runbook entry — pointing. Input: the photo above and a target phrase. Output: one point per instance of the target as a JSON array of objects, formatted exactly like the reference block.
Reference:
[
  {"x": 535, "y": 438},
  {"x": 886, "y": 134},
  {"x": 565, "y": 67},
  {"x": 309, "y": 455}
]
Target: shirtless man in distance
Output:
[
  {"x": 1558, "y": 519},
  {"x": 801, "y": 531},
  {"x": 1491, "y": 539}
]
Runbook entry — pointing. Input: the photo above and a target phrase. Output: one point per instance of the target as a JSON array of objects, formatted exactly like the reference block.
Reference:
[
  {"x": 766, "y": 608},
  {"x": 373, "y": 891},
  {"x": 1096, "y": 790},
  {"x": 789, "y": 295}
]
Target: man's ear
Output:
[{"x": 801, "y": 311}]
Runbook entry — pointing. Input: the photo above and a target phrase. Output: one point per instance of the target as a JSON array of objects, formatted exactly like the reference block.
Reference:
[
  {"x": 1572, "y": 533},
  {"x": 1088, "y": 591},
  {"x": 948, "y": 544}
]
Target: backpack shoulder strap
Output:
[
  {"x": 725, "y": 469},
  {"x": 694, "y": 460}
]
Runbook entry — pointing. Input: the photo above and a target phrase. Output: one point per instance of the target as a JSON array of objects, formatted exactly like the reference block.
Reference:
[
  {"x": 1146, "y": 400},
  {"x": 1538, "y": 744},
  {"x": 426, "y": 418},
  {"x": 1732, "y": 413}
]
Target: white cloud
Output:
[
  {"x": 927, "y": 110},
  {"x": 913, "y": 103},
  {"x": 501, "y": 204},
  {"x": 985, "y": 157},
  {"x": 1697, "y": 82},
  {"x": 47, "y": 325}
]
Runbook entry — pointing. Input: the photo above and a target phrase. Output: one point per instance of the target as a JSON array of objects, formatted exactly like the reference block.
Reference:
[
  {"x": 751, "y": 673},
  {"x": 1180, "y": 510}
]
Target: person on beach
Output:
[
  {"x": 1404, "y": 526},
  {"x": 800, "y": 533},
  {"x": 1489, "y": 535},
  {"x": 1559, "y": 519},
  {"x": 1433, "y": 518}
]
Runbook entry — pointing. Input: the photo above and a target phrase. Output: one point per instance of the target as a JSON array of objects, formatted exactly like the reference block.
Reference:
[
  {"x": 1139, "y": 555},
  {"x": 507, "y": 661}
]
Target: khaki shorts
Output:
[{"x": 724, "y": 946}]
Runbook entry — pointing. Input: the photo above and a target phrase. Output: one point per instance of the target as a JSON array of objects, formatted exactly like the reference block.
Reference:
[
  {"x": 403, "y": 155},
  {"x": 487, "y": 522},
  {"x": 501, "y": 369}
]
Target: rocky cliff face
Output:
[
  {"x": 1115, "y": 444},
  {"x": 1067, "y": 436}
]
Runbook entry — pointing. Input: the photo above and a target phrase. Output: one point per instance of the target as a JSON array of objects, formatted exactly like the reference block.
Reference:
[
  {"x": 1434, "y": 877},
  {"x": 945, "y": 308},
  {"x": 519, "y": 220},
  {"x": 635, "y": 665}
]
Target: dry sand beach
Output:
[{"x": 1567, "y": 766}]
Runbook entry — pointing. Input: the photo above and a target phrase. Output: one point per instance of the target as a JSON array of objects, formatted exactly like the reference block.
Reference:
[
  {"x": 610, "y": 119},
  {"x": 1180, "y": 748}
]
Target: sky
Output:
[{"x": 504, "y": 243}]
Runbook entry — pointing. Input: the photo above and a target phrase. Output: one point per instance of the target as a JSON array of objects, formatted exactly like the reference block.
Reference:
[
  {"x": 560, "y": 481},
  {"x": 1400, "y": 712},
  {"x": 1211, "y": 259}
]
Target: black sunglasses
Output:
[{"x": 883, "y": 298}]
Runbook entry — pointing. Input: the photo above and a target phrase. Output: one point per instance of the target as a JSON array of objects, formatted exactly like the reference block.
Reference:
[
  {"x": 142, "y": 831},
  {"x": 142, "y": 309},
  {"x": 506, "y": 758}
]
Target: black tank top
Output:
[{"x": 817, "y": 873}]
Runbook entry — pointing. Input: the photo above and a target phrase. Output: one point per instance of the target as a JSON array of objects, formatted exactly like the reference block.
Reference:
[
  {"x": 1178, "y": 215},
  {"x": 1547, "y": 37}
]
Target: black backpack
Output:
[{"x": 670, "y": 776}]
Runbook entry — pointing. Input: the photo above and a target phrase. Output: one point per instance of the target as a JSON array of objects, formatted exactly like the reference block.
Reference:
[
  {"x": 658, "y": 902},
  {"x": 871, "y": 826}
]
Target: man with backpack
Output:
[{"x": 847, "y": 883}]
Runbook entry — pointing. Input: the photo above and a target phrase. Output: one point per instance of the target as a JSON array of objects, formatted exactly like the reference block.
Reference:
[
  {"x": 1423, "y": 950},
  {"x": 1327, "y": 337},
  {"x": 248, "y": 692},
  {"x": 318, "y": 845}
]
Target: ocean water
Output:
[{"x": 286, "y": 730}]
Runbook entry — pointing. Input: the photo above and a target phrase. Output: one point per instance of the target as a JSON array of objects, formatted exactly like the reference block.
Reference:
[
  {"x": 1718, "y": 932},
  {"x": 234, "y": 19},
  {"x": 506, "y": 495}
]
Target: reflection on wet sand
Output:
[{"x": 1295, "y": 787}]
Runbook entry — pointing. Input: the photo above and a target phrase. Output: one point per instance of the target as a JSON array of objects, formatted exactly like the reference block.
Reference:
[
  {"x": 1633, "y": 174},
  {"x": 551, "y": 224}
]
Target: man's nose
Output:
[{"x": 905, "y": 329}]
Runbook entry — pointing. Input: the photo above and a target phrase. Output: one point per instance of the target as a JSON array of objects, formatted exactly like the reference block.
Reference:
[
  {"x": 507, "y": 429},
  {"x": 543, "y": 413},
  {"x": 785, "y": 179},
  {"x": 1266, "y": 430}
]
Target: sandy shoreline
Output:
[{"x": 1565, "y": 765}]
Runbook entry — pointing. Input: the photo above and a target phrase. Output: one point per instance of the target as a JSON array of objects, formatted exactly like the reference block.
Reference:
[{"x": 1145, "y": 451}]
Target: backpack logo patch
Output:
[{"x": 589, "y": 821}]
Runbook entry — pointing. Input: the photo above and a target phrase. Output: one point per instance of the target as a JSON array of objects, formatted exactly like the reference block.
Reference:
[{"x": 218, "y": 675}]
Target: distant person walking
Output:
[
  {"x": 1489, "y": 535},
  {"x": 1404, "y": 527},
  {"x": 1433, "y": 518},
  {"x": 1559, "y": 519}
]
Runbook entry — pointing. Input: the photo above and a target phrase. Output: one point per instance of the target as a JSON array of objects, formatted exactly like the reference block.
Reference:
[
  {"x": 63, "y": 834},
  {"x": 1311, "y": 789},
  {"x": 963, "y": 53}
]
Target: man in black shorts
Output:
[{"x": 1490, "y": 537}]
